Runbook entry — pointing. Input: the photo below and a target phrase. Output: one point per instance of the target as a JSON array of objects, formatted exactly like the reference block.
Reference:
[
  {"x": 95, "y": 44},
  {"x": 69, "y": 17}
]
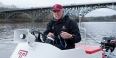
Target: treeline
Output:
[
  {"x": 4, "y": 7},
  {"x": 111, "y": 18}
]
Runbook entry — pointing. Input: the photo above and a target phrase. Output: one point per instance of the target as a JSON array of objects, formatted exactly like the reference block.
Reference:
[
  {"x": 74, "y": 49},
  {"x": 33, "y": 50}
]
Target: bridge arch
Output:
[
  {"x": 95, "y": 8},
  {"x": 42, "y": 15},
  {"x": 18, "y": 13}
]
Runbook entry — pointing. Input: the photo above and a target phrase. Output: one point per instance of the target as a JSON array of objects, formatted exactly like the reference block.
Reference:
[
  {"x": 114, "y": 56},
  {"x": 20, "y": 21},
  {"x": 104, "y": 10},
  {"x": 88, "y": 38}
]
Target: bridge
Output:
[{"x": 73, "y": 10}]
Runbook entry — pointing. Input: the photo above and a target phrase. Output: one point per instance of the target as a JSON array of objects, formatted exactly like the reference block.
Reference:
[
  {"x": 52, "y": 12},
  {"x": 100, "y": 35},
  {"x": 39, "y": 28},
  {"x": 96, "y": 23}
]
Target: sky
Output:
[{"x": 42, "y": 3}]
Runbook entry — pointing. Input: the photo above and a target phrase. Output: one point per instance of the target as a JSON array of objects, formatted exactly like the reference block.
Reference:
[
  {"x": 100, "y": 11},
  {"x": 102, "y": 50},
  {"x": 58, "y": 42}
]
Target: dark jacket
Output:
[{"x": 67, "y": 25}]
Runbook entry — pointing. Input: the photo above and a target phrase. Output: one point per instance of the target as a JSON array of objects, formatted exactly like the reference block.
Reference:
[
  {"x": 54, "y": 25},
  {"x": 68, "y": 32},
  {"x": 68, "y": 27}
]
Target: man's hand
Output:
[
  {"x": 66, "y": 35},
  {"x": 50, "y": 34}
]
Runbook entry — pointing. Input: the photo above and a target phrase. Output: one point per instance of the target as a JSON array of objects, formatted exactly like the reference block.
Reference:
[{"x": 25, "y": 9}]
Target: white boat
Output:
[{"x": 28, "y": 48}]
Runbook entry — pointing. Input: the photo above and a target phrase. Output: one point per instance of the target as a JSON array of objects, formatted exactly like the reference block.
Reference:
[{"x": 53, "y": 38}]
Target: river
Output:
[{"x": 96, "y": 30}]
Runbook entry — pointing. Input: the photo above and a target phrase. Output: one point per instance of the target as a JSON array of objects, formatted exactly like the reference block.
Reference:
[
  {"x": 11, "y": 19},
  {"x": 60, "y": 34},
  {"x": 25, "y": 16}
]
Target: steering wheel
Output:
[{"x": 40, "y": 37}]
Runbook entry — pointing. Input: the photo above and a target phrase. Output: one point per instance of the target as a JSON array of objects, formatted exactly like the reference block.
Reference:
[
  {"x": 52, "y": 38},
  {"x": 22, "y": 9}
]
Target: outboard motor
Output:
[{"x": 108, "y": 44}]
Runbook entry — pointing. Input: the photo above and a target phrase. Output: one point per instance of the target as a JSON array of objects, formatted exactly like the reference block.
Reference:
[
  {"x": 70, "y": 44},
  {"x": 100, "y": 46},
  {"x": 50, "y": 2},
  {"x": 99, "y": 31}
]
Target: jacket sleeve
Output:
[
  {"x": 48, "y": 28},
  {"x": 75, "y": 31}
]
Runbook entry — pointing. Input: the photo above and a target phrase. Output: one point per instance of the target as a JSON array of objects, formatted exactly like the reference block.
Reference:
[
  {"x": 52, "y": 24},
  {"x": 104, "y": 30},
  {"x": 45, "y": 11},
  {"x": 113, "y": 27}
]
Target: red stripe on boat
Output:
[{"x": 89, "y": 49}]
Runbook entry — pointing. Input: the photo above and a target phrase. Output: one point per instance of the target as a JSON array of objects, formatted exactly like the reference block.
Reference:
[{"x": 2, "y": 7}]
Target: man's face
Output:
[{"x": 58, "y": 14}]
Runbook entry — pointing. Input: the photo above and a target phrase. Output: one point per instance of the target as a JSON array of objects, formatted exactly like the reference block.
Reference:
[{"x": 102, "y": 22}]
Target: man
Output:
[{"x": 64, "y": 30}]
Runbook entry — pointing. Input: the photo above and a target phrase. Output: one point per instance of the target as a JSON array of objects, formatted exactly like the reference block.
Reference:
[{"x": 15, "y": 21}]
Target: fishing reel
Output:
[
  {"x": 56, "y": 41},
  {"x": 40, "y": 37}
]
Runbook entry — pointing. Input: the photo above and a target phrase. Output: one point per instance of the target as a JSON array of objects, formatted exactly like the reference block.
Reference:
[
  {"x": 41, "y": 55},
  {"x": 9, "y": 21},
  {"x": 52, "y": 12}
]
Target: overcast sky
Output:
[{"x": 41, "y": 3}]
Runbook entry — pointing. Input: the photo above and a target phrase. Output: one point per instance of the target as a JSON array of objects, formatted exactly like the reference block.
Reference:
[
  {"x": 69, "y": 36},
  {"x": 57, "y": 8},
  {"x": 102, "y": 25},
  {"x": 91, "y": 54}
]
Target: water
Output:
[
  {"x": 6, "y": 35},
  {"x": 6, "y": 30},
  {"x": 96, "y": 30}
]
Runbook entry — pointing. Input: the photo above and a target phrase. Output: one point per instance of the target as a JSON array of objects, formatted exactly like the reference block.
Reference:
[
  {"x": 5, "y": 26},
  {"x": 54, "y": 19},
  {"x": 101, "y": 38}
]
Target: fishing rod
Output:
[
  {"x": 87, "y": 35},
  {"x": 80, "y": 15},
  {"x": 93, "y": 39}
]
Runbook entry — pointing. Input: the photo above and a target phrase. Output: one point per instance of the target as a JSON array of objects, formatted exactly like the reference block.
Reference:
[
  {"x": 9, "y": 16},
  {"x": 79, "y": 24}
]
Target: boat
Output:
[{"x": 28, "y": 48}]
